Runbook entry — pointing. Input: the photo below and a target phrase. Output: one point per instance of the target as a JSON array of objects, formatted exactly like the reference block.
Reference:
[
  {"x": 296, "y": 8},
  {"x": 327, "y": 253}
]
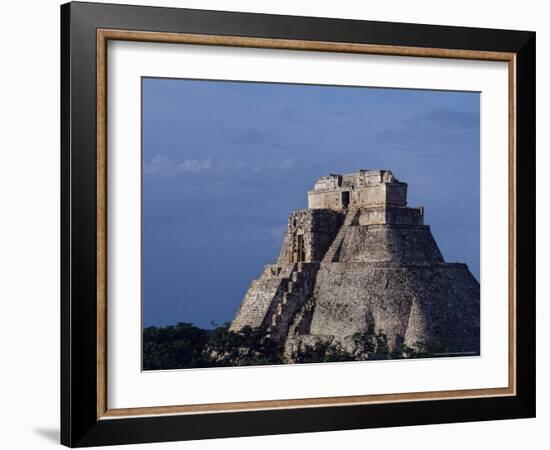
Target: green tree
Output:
[
  {"x": 173, "y": 347},
  {"x": 322, "y": 351}
]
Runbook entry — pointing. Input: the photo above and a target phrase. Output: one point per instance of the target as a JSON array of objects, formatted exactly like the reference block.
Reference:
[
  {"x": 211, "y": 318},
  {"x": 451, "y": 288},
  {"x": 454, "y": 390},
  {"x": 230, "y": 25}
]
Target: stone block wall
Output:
[
  {"x": 368, "y": 196},
  {"x": 360, "y": 189},
  {"x": 383, "y": 243},
  {"x": 412, "y": 304},
  {"x": 405, "y": 216},
  {"x": 317, "y": 228},
  {"x": 322, "y": 200},
  {"x": 396, "y": 194},
  {"x": 389, "y": 194},
  {"x": 393, "y": 216}
]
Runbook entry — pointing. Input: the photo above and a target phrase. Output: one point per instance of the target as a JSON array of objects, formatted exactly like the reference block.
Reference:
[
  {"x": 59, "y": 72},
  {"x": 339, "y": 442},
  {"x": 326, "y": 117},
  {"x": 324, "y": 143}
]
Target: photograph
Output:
[
  {"x": 282, "y": 221},
  {"x": 299, "y": 223}
]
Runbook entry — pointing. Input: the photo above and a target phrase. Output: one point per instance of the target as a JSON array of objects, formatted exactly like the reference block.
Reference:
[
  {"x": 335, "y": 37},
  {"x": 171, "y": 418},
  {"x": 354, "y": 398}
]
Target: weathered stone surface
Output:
[
  {"x": 380, "y": 243},
  {"x": 309, "y": 234},
  {"x": 366, "y": 188},
  {"x": 359, "y": 260},
  {"x": 261, "y": 295},
  {"x": 432, "y": 304}
]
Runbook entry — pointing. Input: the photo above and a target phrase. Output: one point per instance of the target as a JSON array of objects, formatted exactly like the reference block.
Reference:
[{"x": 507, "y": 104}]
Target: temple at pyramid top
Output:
[{"x": 362, "y": 189}]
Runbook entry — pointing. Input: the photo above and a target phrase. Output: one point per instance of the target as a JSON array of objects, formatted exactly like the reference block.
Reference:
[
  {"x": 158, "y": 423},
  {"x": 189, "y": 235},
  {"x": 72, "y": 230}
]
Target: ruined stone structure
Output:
[{"x": 360, "y": 259}]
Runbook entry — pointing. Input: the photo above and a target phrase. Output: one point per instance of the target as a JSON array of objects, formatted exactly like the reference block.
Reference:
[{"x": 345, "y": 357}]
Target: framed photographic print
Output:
[{"x": 276, "y": 224}]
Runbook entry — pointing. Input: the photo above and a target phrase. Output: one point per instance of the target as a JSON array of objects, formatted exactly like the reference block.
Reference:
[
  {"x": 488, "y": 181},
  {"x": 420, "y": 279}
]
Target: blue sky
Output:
[{"x": 224, "y": 163}]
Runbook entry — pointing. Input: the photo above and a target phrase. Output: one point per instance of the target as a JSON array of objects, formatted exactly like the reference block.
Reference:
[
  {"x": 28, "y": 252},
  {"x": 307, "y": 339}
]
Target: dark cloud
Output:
[{"x": 430, "y": 133}]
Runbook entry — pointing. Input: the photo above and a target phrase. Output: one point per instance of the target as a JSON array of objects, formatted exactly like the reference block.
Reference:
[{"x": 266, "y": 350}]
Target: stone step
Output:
[
  {"x": 337, "y": 242},
  {"x": 291, "y": 284}
]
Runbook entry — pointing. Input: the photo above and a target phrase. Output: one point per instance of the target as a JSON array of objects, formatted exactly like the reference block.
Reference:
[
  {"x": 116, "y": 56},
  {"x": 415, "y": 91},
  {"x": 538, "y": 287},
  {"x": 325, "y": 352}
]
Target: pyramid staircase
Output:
[
  {"x": 297, "y": 289},
  {"x": 334, "y": 250},
  {"x": 257, "y": 302},
  {"x": 282, "y": 306}
]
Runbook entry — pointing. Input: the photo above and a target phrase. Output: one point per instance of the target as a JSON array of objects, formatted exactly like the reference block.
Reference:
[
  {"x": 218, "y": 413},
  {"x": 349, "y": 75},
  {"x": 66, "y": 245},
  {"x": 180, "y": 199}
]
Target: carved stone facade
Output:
[
  {"x": 366, "y": 188},
  {"x": 309, "y": 235},
  {"x": 359, "y": 259}
]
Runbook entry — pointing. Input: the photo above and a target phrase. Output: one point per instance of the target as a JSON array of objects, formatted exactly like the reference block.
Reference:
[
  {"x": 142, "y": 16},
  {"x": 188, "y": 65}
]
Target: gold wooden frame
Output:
[{"x": 103, "y": 36}]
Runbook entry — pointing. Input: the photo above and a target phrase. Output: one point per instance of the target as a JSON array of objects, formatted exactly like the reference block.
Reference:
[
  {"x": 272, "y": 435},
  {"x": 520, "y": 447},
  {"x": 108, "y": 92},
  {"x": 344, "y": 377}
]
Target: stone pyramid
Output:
[{"x": 359, "y": 261}]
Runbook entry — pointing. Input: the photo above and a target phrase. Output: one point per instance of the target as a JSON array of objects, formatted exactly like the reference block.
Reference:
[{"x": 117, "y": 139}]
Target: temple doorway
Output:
[
  {"x": 345, "y": 199},
  {"x": 300, "y": 251}
]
